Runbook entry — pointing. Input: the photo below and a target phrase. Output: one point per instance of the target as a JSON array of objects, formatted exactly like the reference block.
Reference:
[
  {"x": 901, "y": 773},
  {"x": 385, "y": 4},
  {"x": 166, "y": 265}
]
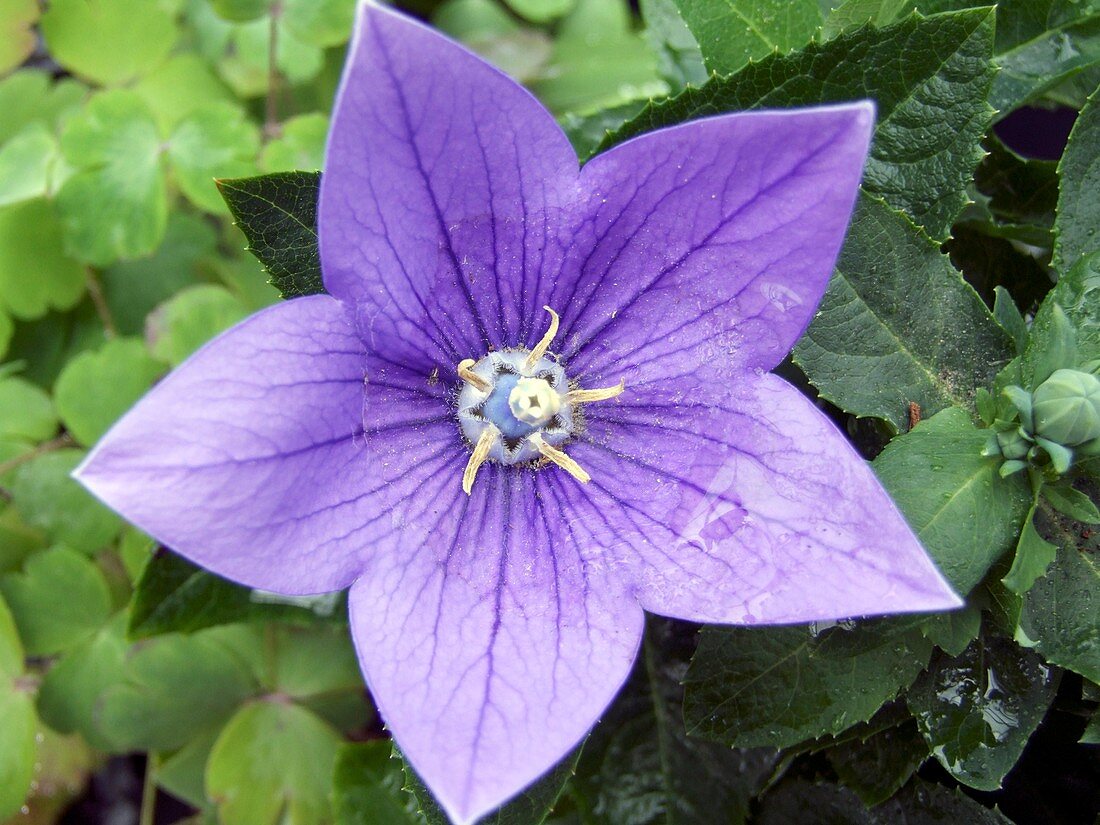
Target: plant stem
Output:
[
  {"x": 95, "y": 292},
  {"x": 58, "y": 443},
  {"x": 271, "y": 113},
  {"x": 148, "y": 793}
]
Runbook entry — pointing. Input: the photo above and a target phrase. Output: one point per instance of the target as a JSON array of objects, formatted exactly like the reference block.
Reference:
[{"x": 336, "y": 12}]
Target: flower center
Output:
[{"x": 516, "y": 406}]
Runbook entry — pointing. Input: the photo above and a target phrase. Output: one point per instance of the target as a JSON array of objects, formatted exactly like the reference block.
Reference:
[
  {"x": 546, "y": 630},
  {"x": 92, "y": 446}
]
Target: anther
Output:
[
  {"x": 561, "y": 459},
  {"x": 481, "y": 452},
  {"x": 602, "y": 394},
  {"x": 535, "y": 355},
  {"x": 470, "y": 377}
]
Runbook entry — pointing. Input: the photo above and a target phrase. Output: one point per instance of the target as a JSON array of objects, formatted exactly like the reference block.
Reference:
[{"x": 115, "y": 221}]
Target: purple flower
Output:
[{"x": 422, "y": 435}]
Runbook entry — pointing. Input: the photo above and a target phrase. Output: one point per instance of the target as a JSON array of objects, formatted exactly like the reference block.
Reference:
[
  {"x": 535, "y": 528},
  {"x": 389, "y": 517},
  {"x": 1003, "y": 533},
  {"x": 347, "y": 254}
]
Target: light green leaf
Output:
[
  {"x": 17, "y": 19},
  {"x": 1078, "y": 216},
  {"x": 487, "y": 28},
  {"x": 26, "y": 412},
  {"x": 964, "y": 513},
  {"x": 777, "y": 686},
  {"x": 977, "y": 711},
  {"x": 244, "y": 65},
  {"x": 29, "y": 165},
  {"x": 69, "y": 694},
  {"x": 217, "y": 141},
  {"x": 541, "y": 11},
  {"x": 31, "y": 96},
  {"x": 108, "y": 41},
  {"x": 678, "y": 57},
  {"x": 730, "y": 33},
  {"x": 180, "y": 87},
  {"x": 58, "y": 600},
  {"x": 325, "y": 22},
  {"x": 87, "y": 410},
  {"x": 35, "y": 273},
  {"x": 50, "y": 500},
  {"x": 310, "y": 661},
  {"x": 932, "y": 112},
  {"x": 18, "y": 723},
  {"x": 7, "y": 330},
  {"x": 273, "y": 765},
  {"x": 189, "y": 319},
  {"x": 300, "y": 145},
  {"x": 134, "y": 288},
  {"x": 115, "y": 205},
  {"x": 598, "y": 60},
  {"x": 1061, "y": 612},
  {"x": 182, "y": 773},
  {"x": 898, "y": 324},
  {"x": 852, "y": 13},
  {"x": 173, "y": 689},
  {"x": 240, "y": 11}
]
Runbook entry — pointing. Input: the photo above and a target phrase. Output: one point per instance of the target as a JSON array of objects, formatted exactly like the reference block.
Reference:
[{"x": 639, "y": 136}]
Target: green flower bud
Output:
[
  {"x": 1013, "y": 445},
  {"x": 1066, "y": 408}
]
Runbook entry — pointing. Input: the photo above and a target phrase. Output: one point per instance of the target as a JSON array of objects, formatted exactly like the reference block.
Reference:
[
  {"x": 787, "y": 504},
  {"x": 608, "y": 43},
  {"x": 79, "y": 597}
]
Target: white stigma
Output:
[{"x": 533, "y": 401}]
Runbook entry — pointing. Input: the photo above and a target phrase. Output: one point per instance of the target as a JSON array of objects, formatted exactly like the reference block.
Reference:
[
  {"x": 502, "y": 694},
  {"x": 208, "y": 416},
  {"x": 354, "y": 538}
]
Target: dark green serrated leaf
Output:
[
  {"x": 639, "y": 764},
  {"x": 964, "y": 513},
  {"x": 898, "y": 324},
  {"x": 1040, "y": 44},
  {"x": 531, "y": 807},
  {"x": 175, "y": 596},
  {"x": 369, "y": 787},
  {"x": 1008, "y": 316},
  {"x": 1033, "y": 556},
  {"x": 954, "y": 630},
  {"x": 278, "y": 215},
  {"x": 932, "y": 111},
  {"x": 585, "y": 131},
  {"x": 919, "y": 803},
  {"x": 1066, "y": 329},
  {"x": 1079, "y": 195},
  {"x": 876, "y": 767},
  {"x": 978, "y": 710},
  {"x": 1061, "y": 612},
  {"x": 733, "y": 32},
  {"x": 776, "y": 686}
]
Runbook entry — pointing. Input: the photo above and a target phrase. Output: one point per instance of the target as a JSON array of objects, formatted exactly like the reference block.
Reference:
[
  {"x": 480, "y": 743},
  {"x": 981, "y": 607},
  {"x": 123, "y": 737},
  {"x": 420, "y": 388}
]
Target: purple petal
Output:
[
  {"x": 750, "y": 509},
  {"x": 494, "y": 649},
  {"x": 248, "y": 459},
  {"x": 444, "y": 184},
  {"x": 710, "y": 244}
]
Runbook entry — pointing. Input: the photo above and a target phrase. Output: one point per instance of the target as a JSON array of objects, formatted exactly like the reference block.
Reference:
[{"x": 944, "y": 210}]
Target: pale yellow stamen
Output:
[
  {"x": 561, "y": 459},
  {"x": 535, "y": 355},
  {"x": 602, "y": 394},
  {"x": 477, "y": 457},
  {"x": 470, "y": 377}
]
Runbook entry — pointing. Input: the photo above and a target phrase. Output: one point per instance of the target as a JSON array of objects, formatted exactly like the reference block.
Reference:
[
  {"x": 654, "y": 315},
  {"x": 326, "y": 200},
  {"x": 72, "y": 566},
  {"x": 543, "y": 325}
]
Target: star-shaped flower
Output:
[{"x": 503, "y": 494}]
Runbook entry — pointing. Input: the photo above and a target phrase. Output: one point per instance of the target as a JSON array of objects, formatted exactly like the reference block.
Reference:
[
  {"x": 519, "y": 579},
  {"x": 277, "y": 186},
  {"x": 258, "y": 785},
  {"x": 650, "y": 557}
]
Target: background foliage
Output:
[{"x": 967, "y": 269}]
